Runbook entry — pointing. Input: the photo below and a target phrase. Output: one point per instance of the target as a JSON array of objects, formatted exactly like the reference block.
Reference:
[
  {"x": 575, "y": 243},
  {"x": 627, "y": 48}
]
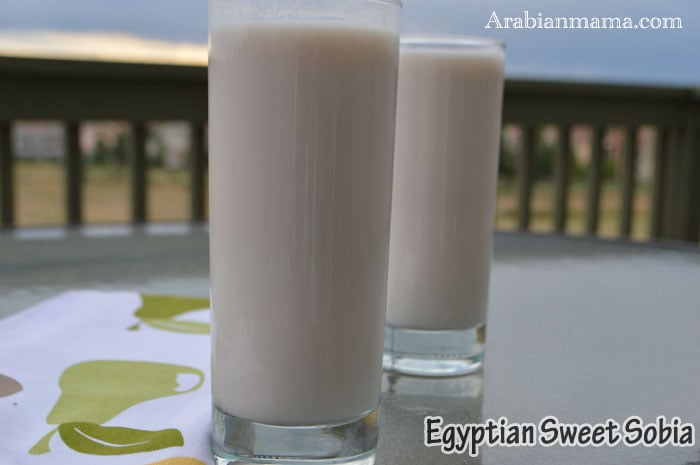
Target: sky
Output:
[{"x": 667, "y": 57}]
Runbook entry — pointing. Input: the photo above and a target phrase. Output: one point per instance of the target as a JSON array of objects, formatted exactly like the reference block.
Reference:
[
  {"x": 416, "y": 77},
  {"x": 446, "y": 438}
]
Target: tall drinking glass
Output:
[
  {"x": 445, "y": 172},
  {"x": 301, "y": 117}
]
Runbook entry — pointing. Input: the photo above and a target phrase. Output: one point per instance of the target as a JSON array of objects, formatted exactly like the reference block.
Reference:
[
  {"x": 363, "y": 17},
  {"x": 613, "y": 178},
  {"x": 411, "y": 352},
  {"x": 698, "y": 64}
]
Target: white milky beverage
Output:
[
  {"x": 445, "y": 172},
  {"x": 301, "y": 142}
]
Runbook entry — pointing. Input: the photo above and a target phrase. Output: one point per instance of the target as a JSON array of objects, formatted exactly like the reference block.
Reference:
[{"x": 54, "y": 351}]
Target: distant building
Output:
[
  {"x": 167, "y": 144},
  {"x": 38, "y": 140}
]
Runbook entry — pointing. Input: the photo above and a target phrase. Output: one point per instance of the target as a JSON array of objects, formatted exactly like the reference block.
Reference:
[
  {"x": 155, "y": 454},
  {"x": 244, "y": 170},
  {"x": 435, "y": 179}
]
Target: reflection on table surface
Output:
[{"x": 407, "y": 400}]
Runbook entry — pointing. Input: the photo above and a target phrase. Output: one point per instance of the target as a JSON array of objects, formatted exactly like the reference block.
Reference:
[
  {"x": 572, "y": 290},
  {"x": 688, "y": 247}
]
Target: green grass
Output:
[
  {"x": 40, "y": 194},
  {"x": 40, "y": 197},
  {"x": 542, "y": 207}
]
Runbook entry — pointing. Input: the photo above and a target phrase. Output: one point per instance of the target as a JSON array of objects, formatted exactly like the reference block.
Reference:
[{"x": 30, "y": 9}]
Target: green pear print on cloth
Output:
[
  {"x": 160, "y": 312},
  {"x": 96, "y": 391}
]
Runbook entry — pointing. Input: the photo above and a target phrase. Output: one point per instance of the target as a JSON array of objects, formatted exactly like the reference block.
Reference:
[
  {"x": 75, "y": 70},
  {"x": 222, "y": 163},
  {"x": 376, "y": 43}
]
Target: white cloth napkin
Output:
[{"x": 106, "y": 378}]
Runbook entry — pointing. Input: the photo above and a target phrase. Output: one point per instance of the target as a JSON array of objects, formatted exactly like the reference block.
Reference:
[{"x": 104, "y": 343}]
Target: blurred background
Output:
[{"x": 103, "y": 113}]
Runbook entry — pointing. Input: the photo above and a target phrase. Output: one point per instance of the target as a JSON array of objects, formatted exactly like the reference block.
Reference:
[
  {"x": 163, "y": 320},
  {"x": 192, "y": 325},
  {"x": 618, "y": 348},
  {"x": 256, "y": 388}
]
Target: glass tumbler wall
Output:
[
  {"x": 447, "y": 138},
  {"x": 301, "y": 116}
]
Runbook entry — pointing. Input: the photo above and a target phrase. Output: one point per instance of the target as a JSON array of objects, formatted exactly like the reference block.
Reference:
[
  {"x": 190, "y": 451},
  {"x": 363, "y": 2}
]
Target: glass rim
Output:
[{"x": 451, "y": 41}]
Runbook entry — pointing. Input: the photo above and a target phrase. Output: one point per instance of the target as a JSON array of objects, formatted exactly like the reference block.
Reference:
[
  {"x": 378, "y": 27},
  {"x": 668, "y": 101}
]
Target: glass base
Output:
[
  {"x": 434, "y": 352},
  {"x": 238, "y": 441}
]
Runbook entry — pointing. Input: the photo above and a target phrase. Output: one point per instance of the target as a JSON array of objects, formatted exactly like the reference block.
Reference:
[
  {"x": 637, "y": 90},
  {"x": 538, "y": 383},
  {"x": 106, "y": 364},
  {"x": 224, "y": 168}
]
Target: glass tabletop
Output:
[{"x": 584, "y": 330}]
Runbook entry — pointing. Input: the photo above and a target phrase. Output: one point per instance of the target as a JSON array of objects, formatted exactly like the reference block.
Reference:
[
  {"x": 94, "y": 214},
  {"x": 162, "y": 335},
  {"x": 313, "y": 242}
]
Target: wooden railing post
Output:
[
  {"x": 526, "y": 176},
  {"x": 138, "y": 172},
  {"x": 691, "y": 228},
  {"x": 197, "y": 161},
  {"x": 6, "y": 178},
  {"x": 693, "y": 149},
  {"x": 628, "y": 181},
  {"x": 562, "y": 177},
  {"x": 74, "y": 174},
  {"x": 675, "y": 186},
  {"x": 659, "y": 187},
  {"x": 595, "y": 177},
  {"x": 682, "y": 206}
]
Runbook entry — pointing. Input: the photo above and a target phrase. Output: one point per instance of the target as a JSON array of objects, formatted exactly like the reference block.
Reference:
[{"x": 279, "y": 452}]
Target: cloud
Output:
[{"x": 100, "y": 46}]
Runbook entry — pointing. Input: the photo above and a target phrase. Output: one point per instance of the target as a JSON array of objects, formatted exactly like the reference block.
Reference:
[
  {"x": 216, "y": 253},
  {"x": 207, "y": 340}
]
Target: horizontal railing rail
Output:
[{"x": 73, "y": 92}]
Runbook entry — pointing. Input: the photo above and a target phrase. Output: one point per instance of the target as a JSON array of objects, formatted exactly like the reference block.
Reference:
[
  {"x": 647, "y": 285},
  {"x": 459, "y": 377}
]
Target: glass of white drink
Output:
[
  {"x": 301, "y": 116},
  {"x": 448, "y": 127}
]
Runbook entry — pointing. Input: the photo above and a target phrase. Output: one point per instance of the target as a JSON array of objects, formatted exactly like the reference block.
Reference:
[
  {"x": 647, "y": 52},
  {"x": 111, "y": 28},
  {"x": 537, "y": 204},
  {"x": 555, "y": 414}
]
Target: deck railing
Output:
[
  {"x": 674, "y": 112},
  {"x": 74, "y": 92}
]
